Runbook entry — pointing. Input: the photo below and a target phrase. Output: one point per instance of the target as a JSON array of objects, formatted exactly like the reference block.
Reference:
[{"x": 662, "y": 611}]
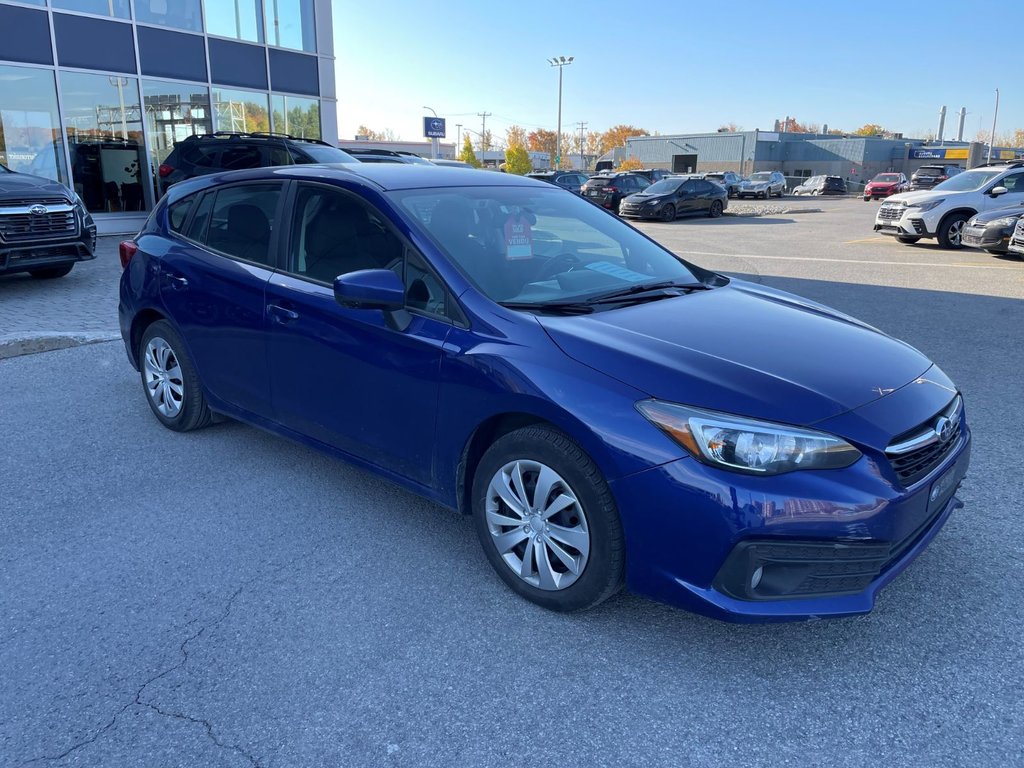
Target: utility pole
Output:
[
  {"x": 483, "y": 137},
  {"x": 583, "y": 159},
  {"x": 992, "y": 138},
  {"x": 458, "y": 145},
  {"x": 561, "y": 62},
  {"x": 435, "y": 146}
]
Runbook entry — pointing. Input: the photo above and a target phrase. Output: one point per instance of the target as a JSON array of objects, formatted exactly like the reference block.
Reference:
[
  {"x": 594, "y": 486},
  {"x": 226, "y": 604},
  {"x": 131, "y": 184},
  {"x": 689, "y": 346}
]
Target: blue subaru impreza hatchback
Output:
[{"x": 609, "y": 414}]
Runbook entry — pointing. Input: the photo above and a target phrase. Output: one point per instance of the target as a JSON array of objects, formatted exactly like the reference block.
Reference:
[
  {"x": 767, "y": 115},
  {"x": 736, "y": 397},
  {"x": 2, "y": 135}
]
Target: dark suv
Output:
[
  {"x": 570, "y": 180},
  {"x": 44, "y": 228},
  {"x": 927, "y": 176},
  {"x": 224, "y": 151},
  {"x": 608, "y": 189}
]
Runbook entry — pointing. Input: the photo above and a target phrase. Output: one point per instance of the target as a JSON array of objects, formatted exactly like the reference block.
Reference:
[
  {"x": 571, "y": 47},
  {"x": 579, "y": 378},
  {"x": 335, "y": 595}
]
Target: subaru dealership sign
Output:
[{"x": 433, "y": 127}]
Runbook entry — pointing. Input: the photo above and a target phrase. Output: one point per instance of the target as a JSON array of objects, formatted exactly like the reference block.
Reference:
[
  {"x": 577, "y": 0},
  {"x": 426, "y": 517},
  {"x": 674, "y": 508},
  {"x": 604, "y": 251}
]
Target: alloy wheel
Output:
[
  {"x": 165, "y": 384},
  {"x": 955, "y": 232},
  {"x": 537, "y": 525}
]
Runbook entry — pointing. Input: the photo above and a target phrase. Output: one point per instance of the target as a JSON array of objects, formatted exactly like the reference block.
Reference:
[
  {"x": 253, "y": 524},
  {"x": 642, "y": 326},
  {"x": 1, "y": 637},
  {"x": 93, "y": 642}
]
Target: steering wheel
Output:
[{"x": 563, "y": 262}]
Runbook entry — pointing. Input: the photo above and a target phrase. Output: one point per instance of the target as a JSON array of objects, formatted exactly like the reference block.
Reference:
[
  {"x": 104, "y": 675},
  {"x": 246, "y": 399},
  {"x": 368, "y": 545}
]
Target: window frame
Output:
[{"x": 454, "y": 314}]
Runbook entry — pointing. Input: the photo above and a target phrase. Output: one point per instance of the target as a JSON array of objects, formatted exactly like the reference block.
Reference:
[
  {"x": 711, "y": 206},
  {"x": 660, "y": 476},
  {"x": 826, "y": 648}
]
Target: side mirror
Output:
[
  {"x": 370, "y": 289},
  {"x": 997, "y": 191}
]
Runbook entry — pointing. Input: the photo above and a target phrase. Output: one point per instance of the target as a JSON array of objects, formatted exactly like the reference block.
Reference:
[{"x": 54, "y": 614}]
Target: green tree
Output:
[
  {"x": 517, "y": 160},
  {"x": 467, "y": 155}
]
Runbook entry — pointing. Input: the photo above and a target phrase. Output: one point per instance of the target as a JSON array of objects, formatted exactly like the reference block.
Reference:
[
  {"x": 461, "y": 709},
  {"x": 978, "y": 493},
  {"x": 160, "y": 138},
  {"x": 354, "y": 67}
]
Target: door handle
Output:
[
  {"x": 282, "y": 314},
  {"x": 177, "y": 282}
]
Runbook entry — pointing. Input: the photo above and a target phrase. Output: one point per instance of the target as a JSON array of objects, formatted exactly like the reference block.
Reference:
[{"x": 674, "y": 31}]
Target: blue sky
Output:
[{"x": 679, "y": 67}]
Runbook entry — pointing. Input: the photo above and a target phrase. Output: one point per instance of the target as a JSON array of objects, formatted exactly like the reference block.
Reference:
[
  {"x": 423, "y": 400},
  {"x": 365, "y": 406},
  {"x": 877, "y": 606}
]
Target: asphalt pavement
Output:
[{"x": 228, "y": 598}]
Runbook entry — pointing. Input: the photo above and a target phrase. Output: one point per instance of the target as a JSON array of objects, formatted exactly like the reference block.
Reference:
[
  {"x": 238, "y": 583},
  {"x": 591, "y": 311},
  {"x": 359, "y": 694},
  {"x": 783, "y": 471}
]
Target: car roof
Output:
[{"x": 382, "y": 176}]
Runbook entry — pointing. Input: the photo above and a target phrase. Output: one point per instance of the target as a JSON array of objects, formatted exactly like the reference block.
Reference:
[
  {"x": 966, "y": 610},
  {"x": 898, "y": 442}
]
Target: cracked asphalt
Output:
[{"x": 228, "y": 598}]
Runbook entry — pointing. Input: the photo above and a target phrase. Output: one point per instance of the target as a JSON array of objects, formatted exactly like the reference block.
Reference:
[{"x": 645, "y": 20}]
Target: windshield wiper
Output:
[
  {"x": 646, "y": 291},
  {"x": 557, "y": 307}
]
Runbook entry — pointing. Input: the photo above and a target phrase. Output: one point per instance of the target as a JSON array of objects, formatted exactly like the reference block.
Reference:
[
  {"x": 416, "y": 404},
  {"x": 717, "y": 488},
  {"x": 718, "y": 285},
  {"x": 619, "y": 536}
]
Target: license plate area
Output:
[{"x": 943, "y": 488}]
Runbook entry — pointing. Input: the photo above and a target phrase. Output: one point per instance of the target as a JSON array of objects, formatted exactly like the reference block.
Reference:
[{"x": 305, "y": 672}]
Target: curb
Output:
[{"x": 33, "y": 343}]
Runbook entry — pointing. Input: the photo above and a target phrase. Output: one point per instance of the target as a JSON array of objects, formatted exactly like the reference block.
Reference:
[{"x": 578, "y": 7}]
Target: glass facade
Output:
[
  {"x": 29, "y": 126},
  {"x": 94, "y": 93},
  {"x": 103, "y": 123},
  {"x": 296, "y": 116},
  {"x": 239, "y": 19},
  {"x": 172, "y": 112},
  {"x": 116, "y": 8},
  {"x": 240, "y": 111},
  {"x": 290, "y": 24},
  {"x": 180, "y": 14}
]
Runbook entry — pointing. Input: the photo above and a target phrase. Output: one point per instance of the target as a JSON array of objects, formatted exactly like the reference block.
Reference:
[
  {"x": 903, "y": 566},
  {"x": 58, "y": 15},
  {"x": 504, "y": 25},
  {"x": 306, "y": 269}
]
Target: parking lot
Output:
[{"x": 227, "y": 598}]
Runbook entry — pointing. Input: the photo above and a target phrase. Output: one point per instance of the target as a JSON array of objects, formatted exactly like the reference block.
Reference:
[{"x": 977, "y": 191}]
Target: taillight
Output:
[
  {"x": 126, "y": 250},
  {"x": 165, "y": 170},
  {"x": 613, "y": 190}
]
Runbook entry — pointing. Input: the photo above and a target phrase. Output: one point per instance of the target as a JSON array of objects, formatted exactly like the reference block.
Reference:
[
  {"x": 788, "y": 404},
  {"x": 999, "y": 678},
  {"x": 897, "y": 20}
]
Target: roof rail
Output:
[
  {"x": 1018, "y": 163},
  {"x": 253, "y": 134}
]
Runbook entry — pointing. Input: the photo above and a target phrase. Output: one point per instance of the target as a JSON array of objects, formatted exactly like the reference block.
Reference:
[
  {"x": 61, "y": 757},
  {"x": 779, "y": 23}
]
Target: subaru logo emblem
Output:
[
  {"x": 38, "y": 210},
  {"x": 944, "y": 429},
  {"x": 436, "y": 124}
]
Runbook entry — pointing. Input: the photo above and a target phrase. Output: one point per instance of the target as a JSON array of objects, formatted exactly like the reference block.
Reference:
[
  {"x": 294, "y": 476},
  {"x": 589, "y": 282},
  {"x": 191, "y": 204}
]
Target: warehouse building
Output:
[
  {"x": 94, "y": 93},
  {"x": 800, "y": 155}
]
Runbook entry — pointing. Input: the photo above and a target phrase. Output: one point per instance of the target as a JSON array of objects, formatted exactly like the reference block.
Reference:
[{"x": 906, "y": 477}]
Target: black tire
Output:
[
  {"x": 716, "y": 209},
  {"x": 907, "y": 239},
  {"x": 604, "y": 572},
  {"x": 51, "y": 273},
  {"x": 950, "y": 229},
  {"x": 668, "y": 213},
  {"x": 993, "y": 252},
  {"x": 193, "y": 413},
  {"x": 867, "y": 199}
]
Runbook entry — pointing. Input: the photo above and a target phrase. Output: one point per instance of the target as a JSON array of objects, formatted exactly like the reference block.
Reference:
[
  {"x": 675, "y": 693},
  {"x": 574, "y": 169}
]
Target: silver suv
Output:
[{"x": 763, "y": 184}]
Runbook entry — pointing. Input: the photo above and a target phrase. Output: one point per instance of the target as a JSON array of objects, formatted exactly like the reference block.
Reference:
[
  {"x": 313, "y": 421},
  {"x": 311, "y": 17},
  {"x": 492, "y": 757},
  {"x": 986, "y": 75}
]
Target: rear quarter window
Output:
[{"x": 177, "y": 213}]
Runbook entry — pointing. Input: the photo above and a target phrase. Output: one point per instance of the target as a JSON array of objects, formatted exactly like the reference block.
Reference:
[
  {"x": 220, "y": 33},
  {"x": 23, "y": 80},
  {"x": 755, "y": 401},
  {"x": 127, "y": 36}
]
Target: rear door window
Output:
[{"x": 241, "y": 222}]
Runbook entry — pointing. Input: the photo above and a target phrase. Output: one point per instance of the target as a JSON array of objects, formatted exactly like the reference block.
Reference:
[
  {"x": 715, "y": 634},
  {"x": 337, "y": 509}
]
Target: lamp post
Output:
[
  {"x": 992, "y": 138},
  {"x": 434, "y": 149},
  {"x": 561, "y": 62}
]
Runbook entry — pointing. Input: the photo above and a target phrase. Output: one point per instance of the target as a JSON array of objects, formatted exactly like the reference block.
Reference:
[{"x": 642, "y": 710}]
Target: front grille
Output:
[
  {"x": 913, "y": 464},
  {"x": 891, "y": 212},
  {"x": 12, "y": 202},
  {"x": 27, "y": 226}
]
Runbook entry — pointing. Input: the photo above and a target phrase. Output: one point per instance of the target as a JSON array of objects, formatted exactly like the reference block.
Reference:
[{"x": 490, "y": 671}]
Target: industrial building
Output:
[
  {"x": 94, "y": 93},
  {"x": 799, "y": 155}
]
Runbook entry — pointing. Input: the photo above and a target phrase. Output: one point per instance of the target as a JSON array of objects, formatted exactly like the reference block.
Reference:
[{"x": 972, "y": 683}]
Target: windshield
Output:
[
  {"x": 887, "y": 177},
  {"x": 968, "y": 181},
  {"x": 538, "y": 246},
  {"x": 322, "y": 154},
  {"x": 761, "y": 177},
  {"x": 664, "y": 187}
]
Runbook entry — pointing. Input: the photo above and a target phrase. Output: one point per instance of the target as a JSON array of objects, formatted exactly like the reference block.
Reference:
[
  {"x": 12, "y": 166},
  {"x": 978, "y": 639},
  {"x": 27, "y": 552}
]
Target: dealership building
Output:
[
  {"x": 800, "y": 155},
  {"x": 94, "y": 93}
]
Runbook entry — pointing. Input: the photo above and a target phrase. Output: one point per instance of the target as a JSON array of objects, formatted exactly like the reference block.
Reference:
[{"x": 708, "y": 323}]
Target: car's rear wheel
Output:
[
  {"x": 547, "y": 520},
  {"x": 170, "y": 380},
  {"x": 867, "y": 199},
  {"x": 668, "y": 213},
  {"x": 951, "y": 231},
  {"x": 716, "y": 209},
  {"x": 51, "y": 273},
  {"x": 907, "y": 239}
]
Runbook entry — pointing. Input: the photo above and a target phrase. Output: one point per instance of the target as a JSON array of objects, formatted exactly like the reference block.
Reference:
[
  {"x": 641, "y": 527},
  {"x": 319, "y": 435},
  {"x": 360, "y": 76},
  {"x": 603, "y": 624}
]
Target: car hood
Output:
[
  {"x": 643, "y": 197},
  {"x": 920, "y": 197},
  {"x": 743, "y": 349},
  {"x": 882, "y": 183},
  {"x": 749, "y": 183},
  {"x": 20, "y": 185},
  {"x": 986, "y": 216}
]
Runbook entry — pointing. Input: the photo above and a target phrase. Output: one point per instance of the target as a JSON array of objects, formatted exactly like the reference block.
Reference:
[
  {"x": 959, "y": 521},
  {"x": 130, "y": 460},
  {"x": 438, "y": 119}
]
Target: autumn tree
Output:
[
  {"x": 467, "y": 155},
  {"x": 616, "y": 136},
  {"x": 517, "y": 160},
  {"x": 728, "y": 128},
  {"x": 630, "y": 164},
  {"x": 515, "y": 134},
  {"x": 371, "y": 135},
  {"x": 870, "y": 129},
  {"x": 542, "y": 140}
]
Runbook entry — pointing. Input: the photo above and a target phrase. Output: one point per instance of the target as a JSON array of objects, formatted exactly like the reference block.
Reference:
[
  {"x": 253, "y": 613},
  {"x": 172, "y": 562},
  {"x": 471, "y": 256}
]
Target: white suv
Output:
[{"x": 942, "y": 211}]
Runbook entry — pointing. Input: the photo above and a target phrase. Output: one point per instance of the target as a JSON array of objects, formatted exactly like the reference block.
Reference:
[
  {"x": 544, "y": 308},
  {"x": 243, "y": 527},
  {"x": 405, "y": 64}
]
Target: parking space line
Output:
[
  {"x": 854, "y": 261},
  {"x": 870, "y": 240}
]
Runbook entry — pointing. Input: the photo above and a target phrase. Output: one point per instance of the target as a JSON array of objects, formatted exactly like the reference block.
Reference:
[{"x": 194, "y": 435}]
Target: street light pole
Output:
[
  {"x": 458, "y": 144},
  {"x": 561, "y": 62},
  {"x": 434, "y": 149},
  {"x": 992, "y": 138}
]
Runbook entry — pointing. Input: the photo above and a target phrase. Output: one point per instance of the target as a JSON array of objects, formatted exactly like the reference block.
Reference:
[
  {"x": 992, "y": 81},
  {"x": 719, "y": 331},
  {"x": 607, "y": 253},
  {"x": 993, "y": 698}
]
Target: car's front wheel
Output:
[
  {"x": 51, "y": 273},
  {"x": 908, "y": 239},
  {"x": 170, "y": 380},
  {"x": 951, "y": 230},
  {"x": 547, "y": 520}
]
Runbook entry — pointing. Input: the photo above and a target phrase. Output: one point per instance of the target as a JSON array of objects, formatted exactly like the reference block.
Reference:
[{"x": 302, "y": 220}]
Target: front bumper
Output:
[
  {"x": 870, "y": 191},
  {"x": 826, "y": 541},
  {"x": 20, "y": 257},
  {"x": 640, "y": 211},
  {"x": 900, "y": 221},
  {"x": 750, "y": 192},
  {"x": 990, "y": 238},
  {"x": 1016, "y": 244}
]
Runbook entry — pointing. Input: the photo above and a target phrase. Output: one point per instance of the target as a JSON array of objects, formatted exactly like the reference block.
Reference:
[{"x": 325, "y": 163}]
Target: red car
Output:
[{"x": 884, "y": 184}]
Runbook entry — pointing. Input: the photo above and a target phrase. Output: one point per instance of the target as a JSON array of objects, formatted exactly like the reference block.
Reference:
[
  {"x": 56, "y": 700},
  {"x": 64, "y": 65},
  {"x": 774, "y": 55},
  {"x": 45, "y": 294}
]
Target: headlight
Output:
[
  {"x": 653, "y": 202},
  {"x": 927, "y": 206},
  {"x": 747, "y": 445},
  {"x": 1006, "y": 221}
]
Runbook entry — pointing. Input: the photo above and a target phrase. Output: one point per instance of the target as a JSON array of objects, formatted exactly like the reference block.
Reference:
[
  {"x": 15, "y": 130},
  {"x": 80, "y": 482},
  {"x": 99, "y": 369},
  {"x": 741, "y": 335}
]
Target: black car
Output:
[
  {"x": 608, "y": 189},
  {"x": 927, "y": 176},
  {"x": 821, "y": 185},
  {"x": 226, "y": 151},
  {"x": 570, "y": 180},
  {"x": 670, "y": 198},
  {"x": 991, "y": 230},
  {"x": 44, "y": 227}
]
